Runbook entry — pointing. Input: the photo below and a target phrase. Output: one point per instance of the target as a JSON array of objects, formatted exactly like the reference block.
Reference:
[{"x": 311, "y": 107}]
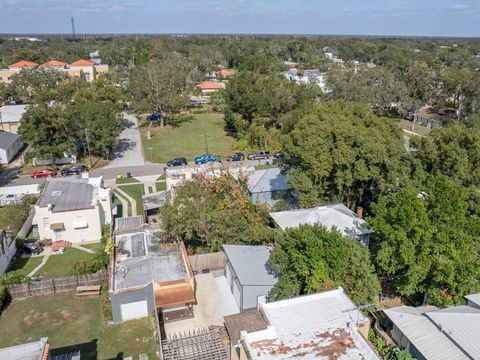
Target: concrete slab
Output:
[{"x": 214, "y": 301}]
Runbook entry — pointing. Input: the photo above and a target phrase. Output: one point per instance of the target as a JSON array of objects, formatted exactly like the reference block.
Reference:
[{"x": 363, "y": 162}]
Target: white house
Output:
[
  {"x": 320, "y": 326},
  {"x": 336, "y": 216},
  {"x": 10, "y": 117},
  {"x": 73, "y": 209},
  {"x": 10, "y": 144}
]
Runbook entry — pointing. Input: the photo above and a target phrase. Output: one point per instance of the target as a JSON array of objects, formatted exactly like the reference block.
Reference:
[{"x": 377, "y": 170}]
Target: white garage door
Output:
[
  {"x": 236, "y": 293},
  {"x": 134, "y": 310}
]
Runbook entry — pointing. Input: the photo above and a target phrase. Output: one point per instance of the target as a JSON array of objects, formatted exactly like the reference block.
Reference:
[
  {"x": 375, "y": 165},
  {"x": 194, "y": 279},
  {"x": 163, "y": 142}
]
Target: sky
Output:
[{"x": 347, "y": 17}]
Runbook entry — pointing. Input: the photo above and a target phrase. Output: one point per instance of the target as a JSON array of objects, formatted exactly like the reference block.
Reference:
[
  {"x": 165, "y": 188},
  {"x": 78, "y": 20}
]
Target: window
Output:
[{"x": 46, "y": 224}]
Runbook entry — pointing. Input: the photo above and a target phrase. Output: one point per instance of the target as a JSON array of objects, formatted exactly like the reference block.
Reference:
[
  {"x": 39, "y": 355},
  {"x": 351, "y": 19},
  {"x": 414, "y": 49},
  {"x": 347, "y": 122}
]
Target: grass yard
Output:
[
  {"x": 187, "y": 140},
  {"x": 261, "y": 167},
  {"x": 61, "y": 265},
  {"x": 92, "y": 246},
  {"x": 72, "y": 323},
  {"x": 419, "y": 129},
  {"x": 25, "y": 266},
  {"x": 159, "y": 186},
  {"x": 136, "y": 192},
  {"x": 120, "y": 210},
  {"x": 126, "y": 180},
  {"x": 162, "y": 177}
]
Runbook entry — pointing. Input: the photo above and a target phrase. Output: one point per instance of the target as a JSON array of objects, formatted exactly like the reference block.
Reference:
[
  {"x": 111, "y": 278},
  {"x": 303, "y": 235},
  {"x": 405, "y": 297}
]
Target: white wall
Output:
[
  {"x": 93, "y": 217},
  {"x": 7, "y": 257},
  {"x": 8, "y": 154}
]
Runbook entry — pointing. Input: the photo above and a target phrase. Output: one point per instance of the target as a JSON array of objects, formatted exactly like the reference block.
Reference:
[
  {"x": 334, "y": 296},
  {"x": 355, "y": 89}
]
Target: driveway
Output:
[
  {"x": 214, "y": 301},
  {"x": 128, "y": 150}
]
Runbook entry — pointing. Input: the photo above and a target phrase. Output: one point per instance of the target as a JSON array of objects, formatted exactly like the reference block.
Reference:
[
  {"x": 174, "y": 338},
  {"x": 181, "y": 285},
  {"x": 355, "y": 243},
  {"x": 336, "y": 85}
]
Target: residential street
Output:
[{"x": 128, "y": 151}]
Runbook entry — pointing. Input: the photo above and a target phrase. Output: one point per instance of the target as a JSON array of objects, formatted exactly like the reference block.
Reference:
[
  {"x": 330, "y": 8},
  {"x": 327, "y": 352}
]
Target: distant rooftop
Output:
[
  {"x": 251, "y": 264},
  {"x": 12, "y": 113},
  {"x": 141, "y": 259},
  {"x": 267, "y": 180},
  {"x": 312, "y": 327},
  {"x": 337, "y": 215},
  {"x": 69, "y": 194},
  {"x": 23, "y": 64},
  {"x": 209, "y": 85},
  {"x": 37, "y": 350}
]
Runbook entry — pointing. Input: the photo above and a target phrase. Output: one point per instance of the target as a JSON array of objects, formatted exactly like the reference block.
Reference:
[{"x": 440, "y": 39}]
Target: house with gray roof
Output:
[
  {"x": 73, "y": 209},
  {"x": 248, "y": 273},
  {"x": 267, "y": 186},
  {"x": 428, "y": 332},
  {"x": 336, "y": 216},
  {"x": 10, "y": 145}
]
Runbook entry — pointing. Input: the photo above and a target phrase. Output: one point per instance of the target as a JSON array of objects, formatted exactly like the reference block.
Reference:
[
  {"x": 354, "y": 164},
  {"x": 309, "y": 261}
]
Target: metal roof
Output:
[
  {"x": 311, "y": 327},
  {"x": 423, "y": 334},
  {"x": 474, "y": 298},
  {"x": 12, "y": 113},
  {"x": 68, "y": 194},
  {"x": 250, "y": 264},
  {"x": 156, "y": 200},
  {"x": 337, "y": 215},
  {"x": 267, "y": 180},
  {"x": 30, "y": 351},
  {"x": 462, "y": 325},
  {"x": 7, "y": 139}
]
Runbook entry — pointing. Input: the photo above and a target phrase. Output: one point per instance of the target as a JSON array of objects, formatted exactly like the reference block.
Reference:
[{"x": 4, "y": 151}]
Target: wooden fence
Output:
[
  {"x": 210, "y": 261},
  {"x": 53, "y": 286}
]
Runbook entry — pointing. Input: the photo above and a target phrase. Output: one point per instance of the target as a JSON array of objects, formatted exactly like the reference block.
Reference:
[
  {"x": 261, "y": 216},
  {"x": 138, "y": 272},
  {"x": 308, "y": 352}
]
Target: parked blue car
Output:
[
  {"x": 154, "y": 117},
  {"x": 206, "y": 158}
]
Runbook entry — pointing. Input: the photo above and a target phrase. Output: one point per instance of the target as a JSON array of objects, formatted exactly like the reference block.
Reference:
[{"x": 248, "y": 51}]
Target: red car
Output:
[{"x": 43, "y": 173}]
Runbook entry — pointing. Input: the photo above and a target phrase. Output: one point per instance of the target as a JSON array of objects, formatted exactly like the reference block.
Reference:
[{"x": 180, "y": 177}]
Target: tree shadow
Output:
[{"x": 88, "y": 350}]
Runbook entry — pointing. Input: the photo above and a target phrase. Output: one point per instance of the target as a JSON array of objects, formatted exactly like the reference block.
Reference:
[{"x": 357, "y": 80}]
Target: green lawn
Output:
[
  {"x": 162, "y": 177},
  {"x": 73, "y": 323},
  {"x": 419, "y": 129},
  {"x": 61, "y": 265},
  {"x": 159, "y": 186},
  {"x": 187, "y": 140},
  {"x": 261, "y": 167},
  {"x": 92, "y": 246},
  {"x": 26, "y": 265},
  {"x": 136, "y": 192},
  {"x": 126, "y": 180}
]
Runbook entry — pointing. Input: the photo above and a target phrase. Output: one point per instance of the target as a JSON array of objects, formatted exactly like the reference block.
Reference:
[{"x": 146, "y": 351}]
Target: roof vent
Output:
[{"x": 56, "y": 193}]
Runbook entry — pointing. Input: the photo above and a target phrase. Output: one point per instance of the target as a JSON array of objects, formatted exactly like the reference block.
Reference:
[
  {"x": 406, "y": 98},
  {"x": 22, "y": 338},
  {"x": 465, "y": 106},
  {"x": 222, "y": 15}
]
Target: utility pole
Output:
[
  {"x": 88, "y": 148},
  {"x": 206, "y": 141}
]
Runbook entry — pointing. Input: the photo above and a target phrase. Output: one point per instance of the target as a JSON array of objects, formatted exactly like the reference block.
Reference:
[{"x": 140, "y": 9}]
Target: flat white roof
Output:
[
  {"x": 12, "y": 113},
  {"x": 313, "y": 327},
  {"x": 337, "y": 215},
  {"x": 474, "y": 298},
  {"x": 29, "y": 351},
  {"x": 423, "y": 333}
]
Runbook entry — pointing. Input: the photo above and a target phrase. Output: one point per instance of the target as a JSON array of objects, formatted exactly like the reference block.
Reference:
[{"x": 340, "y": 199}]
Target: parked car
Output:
[
  {"x": 32, "y": 248},
  {"x": 259, "y": 155},
  {"x": 410, "y": 116},
  {"x": 238, "y": 156},
  {"x": 279, "y": 155},
  {"x": 154, "y": 117},
  {"x": 43, "y": 173},
  {"x": 206, "y": 158},
  {"x": 177, "y": 162},
  {"x": 74, "y": 170}
]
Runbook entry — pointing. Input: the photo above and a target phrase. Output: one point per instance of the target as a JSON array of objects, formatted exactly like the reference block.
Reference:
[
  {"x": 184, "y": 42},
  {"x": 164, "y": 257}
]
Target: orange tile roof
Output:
[
  {"x": 54, "y": 63},
  {"x": 174, "y": 296},
  {"x": 46, "y": 352},
  {"x": 22, "y": 64},
  {"x": 209, "y": 86},
  {"x": 82, "y": 62},
  {"x": 225, "y": 72}
]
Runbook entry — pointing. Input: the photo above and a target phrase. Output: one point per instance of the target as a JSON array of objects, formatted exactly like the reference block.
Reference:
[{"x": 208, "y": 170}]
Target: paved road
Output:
[{"x": 128, "y": 151}]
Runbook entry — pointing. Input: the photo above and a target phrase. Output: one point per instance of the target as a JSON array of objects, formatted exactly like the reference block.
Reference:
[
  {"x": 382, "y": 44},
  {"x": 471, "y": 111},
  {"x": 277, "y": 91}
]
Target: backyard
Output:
[
  {"x": 136, "y": 192},
  {"x": 25, "y": 266},
  {"x": 61, "y": 265},
  {"x": 72, "y": 323},
  {"x": 408, "y": 125},
  {"x": 187, "y": 140}
]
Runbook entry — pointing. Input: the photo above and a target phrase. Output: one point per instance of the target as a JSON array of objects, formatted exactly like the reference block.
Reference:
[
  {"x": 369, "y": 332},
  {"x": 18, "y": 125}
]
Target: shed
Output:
[
  {"x": 248, "y": 273},
  {"x": 10, "y": 144}
]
